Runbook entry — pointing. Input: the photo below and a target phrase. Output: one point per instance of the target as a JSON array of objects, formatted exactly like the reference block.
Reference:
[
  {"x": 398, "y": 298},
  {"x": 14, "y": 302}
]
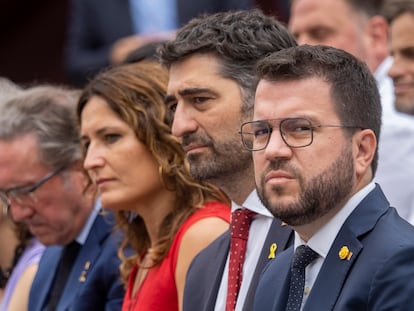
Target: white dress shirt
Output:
[{"x": 257, "y": 236}]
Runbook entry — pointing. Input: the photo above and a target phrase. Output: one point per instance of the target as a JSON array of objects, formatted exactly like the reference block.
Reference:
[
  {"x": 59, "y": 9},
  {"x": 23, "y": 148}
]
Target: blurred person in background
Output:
[
  {"x": 104, "y": 32},
  {"x": 8, "y": 245},
  {"x": 400, "y": 15},
  {"x": 17, "y": 276}
]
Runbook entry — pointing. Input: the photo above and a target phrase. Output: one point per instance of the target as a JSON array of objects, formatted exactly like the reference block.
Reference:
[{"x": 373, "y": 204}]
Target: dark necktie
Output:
[
  {"x": 67, "y": 259},
  {"x": 304, "y": 255},
  {"x": 239, "y": 227}
]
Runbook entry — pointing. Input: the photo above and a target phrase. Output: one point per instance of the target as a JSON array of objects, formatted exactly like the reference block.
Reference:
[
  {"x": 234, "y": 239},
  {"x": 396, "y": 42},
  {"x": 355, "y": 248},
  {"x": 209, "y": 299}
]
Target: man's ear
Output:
[{"x": 365, "y": 145}]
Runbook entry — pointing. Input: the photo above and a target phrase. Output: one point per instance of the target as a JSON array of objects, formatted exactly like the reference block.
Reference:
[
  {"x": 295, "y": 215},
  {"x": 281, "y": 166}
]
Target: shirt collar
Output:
[
  {"x": 83, "y": 235},
  {"x": 323, "y": 239},
  {"x": 254, "y": 204}
]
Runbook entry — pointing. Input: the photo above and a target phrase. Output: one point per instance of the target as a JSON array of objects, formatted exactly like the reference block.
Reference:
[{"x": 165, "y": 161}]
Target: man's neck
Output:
[{"x": 237, "y": 186}]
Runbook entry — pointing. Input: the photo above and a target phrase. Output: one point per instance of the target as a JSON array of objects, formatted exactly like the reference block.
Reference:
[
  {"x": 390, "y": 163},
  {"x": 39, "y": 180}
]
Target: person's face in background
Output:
[
  {"x": 402, "y": 69},
  {"x": 208, "y": 114},
  {"x": 123, "y": 169},
  {"x": 334, "y": 23},
  {"x": 55, "y": 211}
]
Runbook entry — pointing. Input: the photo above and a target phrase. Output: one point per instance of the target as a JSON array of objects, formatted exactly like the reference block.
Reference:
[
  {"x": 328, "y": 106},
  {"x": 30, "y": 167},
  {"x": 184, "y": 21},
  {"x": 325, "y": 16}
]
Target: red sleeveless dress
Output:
[{"x": 158, "y": 291}]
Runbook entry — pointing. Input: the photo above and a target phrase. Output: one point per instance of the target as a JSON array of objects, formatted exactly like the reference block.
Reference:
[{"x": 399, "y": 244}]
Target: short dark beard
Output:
[
  {"x": 318, "y": 196},
  {"x": 225, "y": 159}
]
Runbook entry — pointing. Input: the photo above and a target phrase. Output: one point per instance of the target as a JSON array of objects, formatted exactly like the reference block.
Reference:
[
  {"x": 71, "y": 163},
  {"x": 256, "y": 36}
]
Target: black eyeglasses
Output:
[
  {"x": 25, "y": 195},
  {"x": 295, "y": 132}
]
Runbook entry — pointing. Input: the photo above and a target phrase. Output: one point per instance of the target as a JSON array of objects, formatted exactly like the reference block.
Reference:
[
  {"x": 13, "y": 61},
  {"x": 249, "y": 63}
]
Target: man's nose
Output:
[{"x": 19, "y": 212}]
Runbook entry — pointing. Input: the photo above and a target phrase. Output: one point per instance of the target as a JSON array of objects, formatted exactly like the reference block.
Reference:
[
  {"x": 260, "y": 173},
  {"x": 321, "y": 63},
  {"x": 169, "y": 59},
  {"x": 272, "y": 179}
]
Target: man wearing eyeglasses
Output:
[
  {"x": 314, "y": 134},
  {"x": 44, "y": 186}
]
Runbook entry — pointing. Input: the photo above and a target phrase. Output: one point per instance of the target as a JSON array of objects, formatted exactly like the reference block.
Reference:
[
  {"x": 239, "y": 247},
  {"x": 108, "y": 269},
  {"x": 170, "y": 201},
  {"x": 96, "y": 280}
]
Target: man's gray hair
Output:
[{"x": 49, "y": 113}]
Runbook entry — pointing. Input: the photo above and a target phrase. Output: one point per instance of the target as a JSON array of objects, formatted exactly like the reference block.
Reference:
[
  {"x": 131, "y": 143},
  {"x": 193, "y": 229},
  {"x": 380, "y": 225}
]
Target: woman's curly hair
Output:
[{"x": 136, "y": 92}]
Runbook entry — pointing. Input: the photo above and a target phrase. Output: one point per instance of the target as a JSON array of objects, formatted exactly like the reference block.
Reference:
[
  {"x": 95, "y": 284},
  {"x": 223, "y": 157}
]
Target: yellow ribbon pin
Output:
[
  {"x": 345, "y": 253},
  {"x": 272, "y": 251}
]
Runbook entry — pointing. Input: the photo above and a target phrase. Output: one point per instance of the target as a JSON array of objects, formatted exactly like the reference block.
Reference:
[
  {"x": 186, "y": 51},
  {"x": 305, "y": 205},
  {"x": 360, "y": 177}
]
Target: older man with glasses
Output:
[{"x": 43, "y": 184}]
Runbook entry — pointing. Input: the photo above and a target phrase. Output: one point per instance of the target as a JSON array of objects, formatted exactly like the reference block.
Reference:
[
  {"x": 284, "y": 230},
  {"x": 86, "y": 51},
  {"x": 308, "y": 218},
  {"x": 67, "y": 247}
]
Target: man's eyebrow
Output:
[
  {"x": 193, "y": 91},
  {"x": 186, "y": 92}
]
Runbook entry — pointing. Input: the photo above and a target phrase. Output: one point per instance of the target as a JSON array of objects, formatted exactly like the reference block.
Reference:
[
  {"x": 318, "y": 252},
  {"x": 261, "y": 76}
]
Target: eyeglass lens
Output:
[
  {"x": 25, "y": 195},
  {"x": 295, "y": 132}
]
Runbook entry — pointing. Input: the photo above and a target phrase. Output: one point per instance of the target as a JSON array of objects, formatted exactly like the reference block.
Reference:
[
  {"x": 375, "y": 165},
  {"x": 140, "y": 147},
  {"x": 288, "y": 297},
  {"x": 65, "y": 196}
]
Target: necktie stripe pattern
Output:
[
  {"x": 240, "y": 225},
  {"x": 304, "y": 255}
]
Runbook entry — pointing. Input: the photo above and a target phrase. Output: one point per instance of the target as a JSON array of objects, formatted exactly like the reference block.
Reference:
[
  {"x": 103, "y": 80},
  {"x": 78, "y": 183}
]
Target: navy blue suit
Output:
[
  {"x": 94, "y": 282},
  {"x": 96, "y": 24},
  {"x": 377, "y": 276},
  {"x": 206, "y": 270}
]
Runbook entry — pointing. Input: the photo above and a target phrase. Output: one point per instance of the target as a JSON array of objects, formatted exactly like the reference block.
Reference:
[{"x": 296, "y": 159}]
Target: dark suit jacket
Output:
[
  {"x": 97, "y": 287},
  {"x": 377, "y": 276},
  {"x": 206, "y": 270},
  {"x": 96, "y": 24}
]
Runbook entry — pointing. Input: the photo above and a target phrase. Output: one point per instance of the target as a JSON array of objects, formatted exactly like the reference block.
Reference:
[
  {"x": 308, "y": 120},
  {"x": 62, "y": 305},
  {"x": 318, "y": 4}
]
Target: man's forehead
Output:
[{"x": 194, "y": 74}]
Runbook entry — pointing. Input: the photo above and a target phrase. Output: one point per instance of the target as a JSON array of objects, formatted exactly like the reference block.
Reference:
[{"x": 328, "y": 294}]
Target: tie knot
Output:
[
  {"x": 304, "y": 255},
  {"x": 240, "y": 223}
]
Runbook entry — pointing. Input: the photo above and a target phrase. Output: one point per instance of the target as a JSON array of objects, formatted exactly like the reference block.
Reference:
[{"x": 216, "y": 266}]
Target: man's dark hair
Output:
[
  {"x": 394, "y": 8},
  {"x": 238, "y": 39}
]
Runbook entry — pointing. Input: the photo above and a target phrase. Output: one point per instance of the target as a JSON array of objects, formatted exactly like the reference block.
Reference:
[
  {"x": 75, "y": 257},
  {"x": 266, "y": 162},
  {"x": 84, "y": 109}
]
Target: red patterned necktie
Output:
[{"x": 240, "y": 224}]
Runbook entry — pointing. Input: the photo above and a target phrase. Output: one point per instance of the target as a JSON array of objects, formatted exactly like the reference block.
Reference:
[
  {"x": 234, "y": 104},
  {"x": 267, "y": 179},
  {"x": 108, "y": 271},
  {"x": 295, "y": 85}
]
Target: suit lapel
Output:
[
  {"x": 87, "y": 256},
  {"x": 326, "y": 290},
  {"x": 282, "y": 237},
  {"x": 336, "y": 267},
  {"x": 273, "y": 289},
  {"x": 217, "y": 268},
  {"x": 45, "y": 276}
]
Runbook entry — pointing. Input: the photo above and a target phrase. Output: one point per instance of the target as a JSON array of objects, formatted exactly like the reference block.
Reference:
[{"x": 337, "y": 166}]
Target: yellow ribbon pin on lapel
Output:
[
  {"x": 272, "y": 251},
  {"x": 345, "y": 253}
]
